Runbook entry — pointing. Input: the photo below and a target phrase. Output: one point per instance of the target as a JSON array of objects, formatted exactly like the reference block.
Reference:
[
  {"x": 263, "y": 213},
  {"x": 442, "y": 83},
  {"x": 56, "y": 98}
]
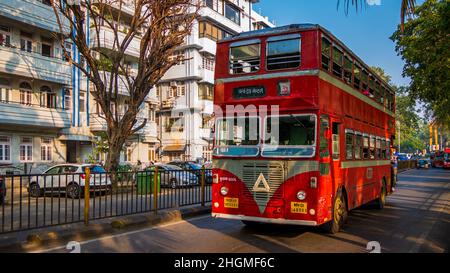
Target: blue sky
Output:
[{"x": 366, "y": 32}]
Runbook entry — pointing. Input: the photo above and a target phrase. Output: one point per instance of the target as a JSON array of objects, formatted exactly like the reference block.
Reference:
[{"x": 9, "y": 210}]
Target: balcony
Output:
[
  {"x": 207, "y": 76},
  {"x": 31, "y": 12},
  {"x": 207, "y": 45},
  {"x": 34, "y": 65},
  {"x": 106, "y": 40},
  {"x": 122, "y": 83},
  {"x": 98, "y": 124},
  {"x": 33, "y": 115},
  {"x": 205, "y": 133}
]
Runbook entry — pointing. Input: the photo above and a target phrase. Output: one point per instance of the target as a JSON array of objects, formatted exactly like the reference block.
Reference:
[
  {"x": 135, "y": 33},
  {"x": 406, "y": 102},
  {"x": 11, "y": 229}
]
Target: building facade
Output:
[
  {"x": 186, "y": 91},
  {"x": 48, "y": 116}
]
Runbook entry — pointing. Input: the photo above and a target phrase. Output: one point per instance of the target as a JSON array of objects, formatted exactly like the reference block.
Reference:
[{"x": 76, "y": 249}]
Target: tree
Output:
[
  {"x": 160, "y": 25},
  {"x": 406, "y": 9},
  {"x": 424, "y": 46}
]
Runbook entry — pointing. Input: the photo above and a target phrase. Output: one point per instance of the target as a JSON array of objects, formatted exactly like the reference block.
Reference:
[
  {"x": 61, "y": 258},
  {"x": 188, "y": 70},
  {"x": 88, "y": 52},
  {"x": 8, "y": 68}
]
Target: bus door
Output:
[{"x": 336, "y": 153}]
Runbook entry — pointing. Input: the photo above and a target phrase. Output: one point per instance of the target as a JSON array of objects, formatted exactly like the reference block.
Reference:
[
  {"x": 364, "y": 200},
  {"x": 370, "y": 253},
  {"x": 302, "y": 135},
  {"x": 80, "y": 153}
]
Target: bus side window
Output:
[
  {"x": 366, "y": 147},
  {"x": 326, "y": 52},
  {"x": 335, "y": 142},
  {"x": 349, "y": 145},
  {"x": 358, "y": 146},
  {"x": 372, "y": 147}
]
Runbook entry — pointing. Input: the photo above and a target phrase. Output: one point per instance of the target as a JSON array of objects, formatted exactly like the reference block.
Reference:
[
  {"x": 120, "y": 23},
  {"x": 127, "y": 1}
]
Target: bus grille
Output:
[{"x": 274, "y": 174}]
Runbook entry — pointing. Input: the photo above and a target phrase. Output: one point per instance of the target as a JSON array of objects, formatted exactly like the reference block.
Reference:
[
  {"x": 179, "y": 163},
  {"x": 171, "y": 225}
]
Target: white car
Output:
[{"x": 70, "y": 179}]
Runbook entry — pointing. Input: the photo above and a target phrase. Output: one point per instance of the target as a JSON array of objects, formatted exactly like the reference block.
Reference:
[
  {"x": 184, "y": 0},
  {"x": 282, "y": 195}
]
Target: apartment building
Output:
[
  {"x": 186, "y": 91},
  {"x": 47, "y": 115}
]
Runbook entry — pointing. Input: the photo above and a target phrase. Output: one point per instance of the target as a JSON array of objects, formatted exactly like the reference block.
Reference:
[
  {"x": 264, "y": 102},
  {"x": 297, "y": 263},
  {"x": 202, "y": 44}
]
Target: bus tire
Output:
[
  {"x": 340, "y": 214},
  {"x": 381, "y": 201}
]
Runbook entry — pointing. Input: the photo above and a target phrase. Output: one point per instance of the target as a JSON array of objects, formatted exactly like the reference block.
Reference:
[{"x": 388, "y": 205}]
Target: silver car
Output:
[
  {"x": 174, "y": 176},
  {"x": 69, "y": 179}
]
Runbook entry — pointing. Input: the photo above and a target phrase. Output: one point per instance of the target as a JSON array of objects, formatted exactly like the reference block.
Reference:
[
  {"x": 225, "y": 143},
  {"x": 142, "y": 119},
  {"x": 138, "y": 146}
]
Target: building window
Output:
[
  {"x": 349, "y": 145},
  {"x": 26, "y": 149},
  {"x": 207, "y": 154},
  {"x": 67, "y": 99},
  {"x": 181, "y": 89},
  {"x": 82, "y": 102},
  {"x": 5, "y": 149},
  {"x": 233, "y": 13},
  {"x": 210, "y": 31},
  {"x": 208, "y": 63},
  {"x": 212, "y": 4},
  {"x": 46, "y": 149},
  {"x": 5, "y": 36},
  {"x": 128, "y": 155},
  {"x": 47, "y": 2},
  {"x": 326, "y": 53},
  {"x": 5, "y": 90},
  {"x": 179, "y": 57},
  {"x": 25, "y": 93},
  {"x": 282, "y": 54},
  {"x": 206, "y": 91},
  {"x": 151, "y": 114},
  {"x": 337, "y": 62},
  {"x": 68, "y": 50},
  {"x": 245, "y": 58},
  {"x": 47, "y": 97},
  {"x": 151, "y": 154},
  {"x": 26, "y": 42}
]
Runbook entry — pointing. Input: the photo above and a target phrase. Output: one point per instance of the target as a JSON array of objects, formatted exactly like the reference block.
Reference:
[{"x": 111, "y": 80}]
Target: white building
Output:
[
  {"x": 186, "y": 91},
  {"x": 47, "y": 115}
]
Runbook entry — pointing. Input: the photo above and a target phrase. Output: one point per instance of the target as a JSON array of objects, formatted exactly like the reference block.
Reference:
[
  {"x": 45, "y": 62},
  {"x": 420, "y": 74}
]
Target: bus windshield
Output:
[
  {"x": 237, "y": 136},
  {"x": 290, "y": 136}
]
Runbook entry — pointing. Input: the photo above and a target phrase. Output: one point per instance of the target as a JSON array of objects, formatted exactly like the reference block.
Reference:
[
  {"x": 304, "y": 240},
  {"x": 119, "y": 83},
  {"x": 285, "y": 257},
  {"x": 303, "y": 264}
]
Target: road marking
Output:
[{"x": 124, "y": 234}]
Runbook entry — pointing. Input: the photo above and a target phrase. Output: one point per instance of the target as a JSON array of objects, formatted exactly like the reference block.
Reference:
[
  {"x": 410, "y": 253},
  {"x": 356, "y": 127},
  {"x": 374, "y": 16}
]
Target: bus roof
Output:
[{"x": 303, "y": 27}]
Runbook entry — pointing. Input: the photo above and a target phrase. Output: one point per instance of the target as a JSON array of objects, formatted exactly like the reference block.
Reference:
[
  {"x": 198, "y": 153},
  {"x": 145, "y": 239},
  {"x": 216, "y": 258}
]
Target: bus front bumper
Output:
[{"x": 265, "y": 220}]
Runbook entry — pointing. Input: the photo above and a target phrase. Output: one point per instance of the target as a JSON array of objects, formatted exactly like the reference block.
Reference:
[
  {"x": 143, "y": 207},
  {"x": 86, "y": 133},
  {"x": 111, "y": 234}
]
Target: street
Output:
[{"x": 415, "y": 219}]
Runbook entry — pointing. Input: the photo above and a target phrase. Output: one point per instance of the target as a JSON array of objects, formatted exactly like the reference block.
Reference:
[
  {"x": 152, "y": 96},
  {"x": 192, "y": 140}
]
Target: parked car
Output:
[
  {"x": 195, "y": 169},
  {"x": 2, "y": 190},
  {"x": 69, "y": 179},
  {"x": 423, "y": 163},
  {"x": 173, "y": 176},
  {"x": 402, "y": 157}
]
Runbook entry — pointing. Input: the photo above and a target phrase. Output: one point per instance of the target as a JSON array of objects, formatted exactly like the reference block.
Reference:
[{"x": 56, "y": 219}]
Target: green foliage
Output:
[
  {"x": 100, "y": 146},
  {"x": 424, "y": 46}
]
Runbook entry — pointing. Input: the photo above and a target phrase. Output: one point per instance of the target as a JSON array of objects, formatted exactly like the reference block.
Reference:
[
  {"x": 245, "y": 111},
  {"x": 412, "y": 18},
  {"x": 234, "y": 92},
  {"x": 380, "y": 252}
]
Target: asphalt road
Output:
[{"x": 416, "y": 219}]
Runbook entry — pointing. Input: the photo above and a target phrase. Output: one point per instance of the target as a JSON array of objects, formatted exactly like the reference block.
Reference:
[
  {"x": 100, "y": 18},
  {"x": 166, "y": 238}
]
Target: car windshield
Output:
[
  {"x": 290, "y": 136},
  {"x": 237, "y": 136},
  {"x": 195, "y": 166}
]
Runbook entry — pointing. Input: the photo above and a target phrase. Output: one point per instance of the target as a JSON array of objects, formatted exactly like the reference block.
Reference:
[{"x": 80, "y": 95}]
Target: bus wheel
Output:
[
  {"x": 381, "y": 201},
  {"x": 339, "y": 214}
]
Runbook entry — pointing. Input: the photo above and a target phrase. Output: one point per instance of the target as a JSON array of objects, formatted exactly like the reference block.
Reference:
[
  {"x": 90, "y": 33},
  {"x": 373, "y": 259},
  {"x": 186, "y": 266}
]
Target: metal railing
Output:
[{"x": 44, "y": 200}]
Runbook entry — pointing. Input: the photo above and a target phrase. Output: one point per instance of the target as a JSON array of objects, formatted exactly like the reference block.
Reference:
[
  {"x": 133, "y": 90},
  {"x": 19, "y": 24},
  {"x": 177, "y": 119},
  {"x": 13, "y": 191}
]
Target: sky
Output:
[{"x": 365, "y": 32}]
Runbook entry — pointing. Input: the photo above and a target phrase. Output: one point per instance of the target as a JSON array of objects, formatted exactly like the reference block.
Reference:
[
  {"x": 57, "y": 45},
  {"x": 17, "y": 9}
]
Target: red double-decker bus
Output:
[{"x": 333, "y": 123}]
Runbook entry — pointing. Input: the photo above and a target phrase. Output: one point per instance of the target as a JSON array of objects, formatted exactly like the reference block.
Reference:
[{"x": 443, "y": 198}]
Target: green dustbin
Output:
[{"x": 145, "y": 184}]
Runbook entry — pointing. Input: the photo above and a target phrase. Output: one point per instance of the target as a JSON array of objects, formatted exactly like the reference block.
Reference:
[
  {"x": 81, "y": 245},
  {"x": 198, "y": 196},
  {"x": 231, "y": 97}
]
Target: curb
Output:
[{"x": 35, "y": 240}]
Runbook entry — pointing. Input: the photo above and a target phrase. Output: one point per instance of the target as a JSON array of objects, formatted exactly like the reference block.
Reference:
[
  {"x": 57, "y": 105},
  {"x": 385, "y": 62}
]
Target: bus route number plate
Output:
[
  {"x": 299, "y": 207},
  {"x": 231, "y": 203}
]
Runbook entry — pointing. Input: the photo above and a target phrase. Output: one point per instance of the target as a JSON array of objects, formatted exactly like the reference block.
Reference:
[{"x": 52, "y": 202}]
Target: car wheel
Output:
[
  {"x": 339, "y": 214},
  {"x": 173, "y": 183},
  {"x": 381, "y": 201},
  {"x": 73, "y": 191},
  {"x": 35, "y": 190}
]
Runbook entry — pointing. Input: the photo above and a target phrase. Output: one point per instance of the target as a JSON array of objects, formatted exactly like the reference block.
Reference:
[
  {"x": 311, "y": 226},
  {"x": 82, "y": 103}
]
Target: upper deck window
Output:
[
  {"x": 326, "y": 53},
  {"x": 283, "y": 52},
  {"x": 337, "y": 61},
  {"x": 245, "y": 57}
]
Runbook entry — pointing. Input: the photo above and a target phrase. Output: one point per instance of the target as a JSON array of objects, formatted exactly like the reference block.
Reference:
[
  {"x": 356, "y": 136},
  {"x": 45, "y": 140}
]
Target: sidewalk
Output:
[{"x": 32, "y": 240}]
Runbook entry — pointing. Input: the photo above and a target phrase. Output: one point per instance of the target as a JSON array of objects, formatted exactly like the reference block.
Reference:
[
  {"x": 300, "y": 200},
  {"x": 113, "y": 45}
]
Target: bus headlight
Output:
[
  {"x": 224, "y": 191},
  {"x": 301, "y": 195}
]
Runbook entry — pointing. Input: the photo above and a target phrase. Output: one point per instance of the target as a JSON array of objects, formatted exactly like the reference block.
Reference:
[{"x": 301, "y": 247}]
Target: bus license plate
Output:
[
  {"x": 231, "y": 203},
  {"x": 299, "y": 207}
]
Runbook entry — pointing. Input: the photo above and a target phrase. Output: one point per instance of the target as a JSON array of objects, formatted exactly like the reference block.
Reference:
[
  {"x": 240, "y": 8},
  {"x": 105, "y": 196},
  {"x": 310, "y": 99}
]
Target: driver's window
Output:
[{"x": 54, "y": 170}]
